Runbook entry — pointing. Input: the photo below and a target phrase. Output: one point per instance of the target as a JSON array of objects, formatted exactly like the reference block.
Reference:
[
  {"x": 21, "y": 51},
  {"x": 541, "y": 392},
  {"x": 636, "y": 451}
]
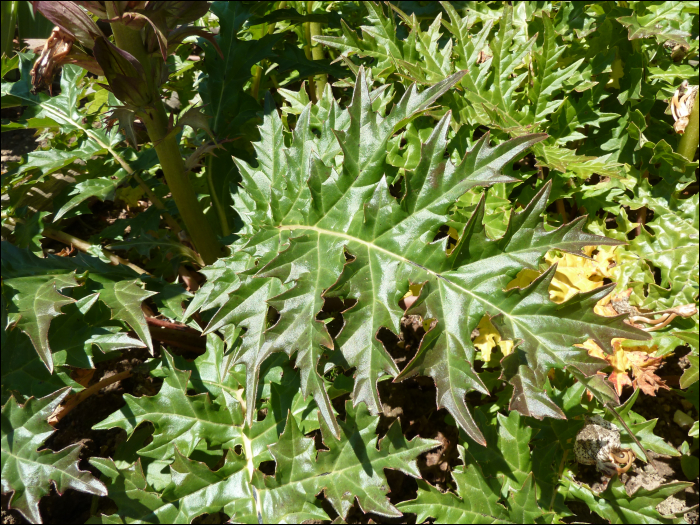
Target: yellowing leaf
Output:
[
  {"x": 489, "y": 338},
  {"x": 411, "y": 295},
  {"x": 523, "y": 279},
  {"x": 574, "y": 274},
  {"x": 129, "y": 195}
]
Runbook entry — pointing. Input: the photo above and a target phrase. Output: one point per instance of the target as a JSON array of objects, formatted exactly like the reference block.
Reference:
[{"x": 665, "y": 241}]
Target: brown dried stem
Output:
[{"x": 74, "y": 400}]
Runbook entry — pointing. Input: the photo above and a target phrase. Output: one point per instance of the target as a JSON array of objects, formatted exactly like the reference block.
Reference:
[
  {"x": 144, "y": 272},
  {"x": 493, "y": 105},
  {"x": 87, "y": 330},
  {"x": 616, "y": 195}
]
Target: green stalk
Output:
[
  {"x": 307, "y": 52},
  {"x": 314, "y": 29},
  {"x": 273, "y": 77},
  {"x": 255, "y": 90},
  {"x": 168, "y": 149},
  {"x": 689, "y": 142},
  {"x": 183, "y": 193},
  {"x": 257, "y": 77},
  {"x": 9, "y": 20}
]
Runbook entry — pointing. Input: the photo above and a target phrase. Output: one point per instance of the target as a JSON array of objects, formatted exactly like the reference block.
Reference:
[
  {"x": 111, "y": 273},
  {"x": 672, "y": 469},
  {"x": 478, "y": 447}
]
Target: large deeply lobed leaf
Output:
[
  {"x": 184, "y": 423},
  {"x": 325, "y": 223}
]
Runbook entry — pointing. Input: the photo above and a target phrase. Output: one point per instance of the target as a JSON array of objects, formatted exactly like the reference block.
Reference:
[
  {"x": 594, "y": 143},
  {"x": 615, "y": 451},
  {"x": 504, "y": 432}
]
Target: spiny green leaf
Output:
[
  {"x": 87, "y": 323},
  {"x": 506, "y": 495},
  {"x": 616, "y": 506},
  {"x": 671, "y": 247},
  {"x": 103, "y": 188},
  {"x": 136, "y": 501},
  {"x": 476, "y": 501},
  {"x": 23, "y": 372},
  {"x": 286, "y": 203},
  {"x": 661, "y": 22},
  {"x": 53, "y": 160},
  {"x": 61, "y": 111},
  {"x": 34, "y": 302},
  {"x": 28, "y": 473},
  {"x": 181, "y": 421},
  {"x": 566, "y": 161},
  {"x": 290, "y": 496},
  {"x": 31, "y": 284},
  {"x": 342, "y": 234},
  {"x": 28, "y": 234},
  {"x": 379, "y": 40}
]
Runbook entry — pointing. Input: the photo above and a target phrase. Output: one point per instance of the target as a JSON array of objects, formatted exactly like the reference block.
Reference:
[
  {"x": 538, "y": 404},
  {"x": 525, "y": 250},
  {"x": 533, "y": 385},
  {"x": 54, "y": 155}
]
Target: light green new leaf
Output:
[
  {"x": 379, "y": 40},
  {"x": 548, "y": 79},
  {"x": 672, "y": 247},
  {"x": 28, "y": 473},
  {"x": 568, "y": 162},
  {"x": 661, "y": 22},
  {"x": 509, "y": 48}
]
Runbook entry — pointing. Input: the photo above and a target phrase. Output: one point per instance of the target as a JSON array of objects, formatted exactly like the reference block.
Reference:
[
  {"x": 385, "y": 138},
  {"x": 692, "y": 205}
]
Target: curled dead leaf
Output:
[
  {"x": 52, "y": 58},
  {"x": 644, "y": 367},
  {"x": 630, "y": 362},
  {"x": 682, "y": 105}
]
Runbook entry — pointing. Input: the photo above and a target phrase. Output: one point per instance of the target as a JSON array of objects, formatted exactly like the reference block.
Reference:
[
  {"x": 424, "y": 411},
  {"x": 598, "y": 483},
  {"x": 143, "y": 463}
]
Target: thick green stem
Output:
[
  {"x": 259, "y": 71},
  {"x": 257, "y": 77},
  {"x": 689, "y": 142},
  {"x": 561, "y": 210},
  {"x": 9, "y": 20},
  {"x": 183, "y": 193},
  {"x": 168, "y": 149},
  {"x": 307, "y": 52},
  {"x": 317, "y": 54}
]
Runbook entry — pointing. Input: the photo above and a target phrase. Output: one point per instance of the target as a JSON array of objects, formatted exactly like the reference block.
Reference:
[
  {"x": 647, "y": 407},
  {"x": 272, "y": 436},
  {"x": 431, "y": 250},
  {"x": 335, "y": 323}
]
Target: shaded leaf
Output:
[{"x": 28, "y": 473}]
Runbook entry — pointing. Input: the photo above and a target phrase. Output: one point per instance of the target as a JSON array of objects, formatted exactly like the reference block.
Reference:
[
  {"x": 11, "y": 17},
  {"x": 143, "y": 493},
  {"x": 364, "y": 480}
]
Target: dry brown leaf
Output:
[
  {"x": 82, "y": 376},
  {"x": 645, "y": 367},
  {"x": 625, "y": 360}
]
